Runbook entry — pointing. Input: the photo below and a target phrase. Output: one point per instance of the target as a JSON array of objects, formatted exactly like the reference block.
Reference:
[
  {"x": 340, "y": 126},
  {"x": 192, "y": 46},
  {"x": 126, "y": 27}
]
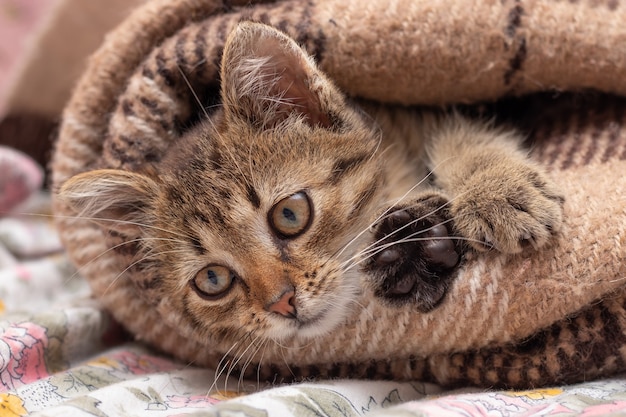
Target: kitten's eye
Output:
[
  {"x": 213, "y": 282},
  {"x": 291, "y": 216}
]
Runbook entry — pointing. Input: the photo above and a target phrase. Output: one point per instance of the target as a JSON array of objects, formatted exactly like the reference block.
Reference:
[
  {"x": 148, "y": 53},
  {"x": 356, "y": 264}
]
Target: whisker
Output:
[
  {"x": 406, "y": 240},
  {"x": 410, "y": 238},
  {"x": 282, "y": 354},
  {"x": 218, "y": 371},
  {"x": 409, "y": 224},
  {"x": 258, "y": 368},
  {"x": 394, "y": 204},
  {"x": 390, "y": 208},
  {"x": 102, "y": 219},
  {"x": 147, "y": 256},
  {"x": 374, "y": 247},
  {"x": 377, "y": 249},
  {"x": 215, "y": 131},
  {"x": 353, "y": 300},
  {"x": 247, "y": 363},
  {"x": 182, "y": 73},
  {"x": 119, "y": 245},
  {"x": 234, "y": 363}
]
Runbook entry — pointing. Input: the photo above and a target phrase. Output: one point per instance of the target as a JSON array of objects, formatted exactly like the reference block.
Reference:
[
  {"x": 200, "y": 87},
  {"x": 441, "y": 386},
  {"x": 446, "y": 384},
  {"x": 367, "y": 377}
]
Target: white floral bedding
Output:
[{"x": 61, "y": 355}]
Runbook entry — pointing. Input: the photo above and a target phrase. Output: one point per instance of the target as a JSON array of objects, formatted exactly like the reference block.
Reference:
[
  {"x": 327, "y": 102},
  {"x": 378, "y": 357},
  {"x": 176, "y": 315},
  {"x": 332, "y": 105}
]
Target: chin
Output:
[
  {"x": 327, "y": 319},
  {"x": 321, "y": 318},
  {"x": 323, "y": 324},
  {"x": 306, "y": 329}
]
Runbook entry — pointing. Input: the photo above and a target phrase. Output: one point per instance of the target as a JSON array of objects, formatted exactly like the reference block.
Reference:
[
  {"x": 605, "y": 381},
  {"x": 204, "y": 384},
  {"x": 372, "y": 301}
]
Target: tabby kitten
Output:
[{"x": 280, "y": 209}]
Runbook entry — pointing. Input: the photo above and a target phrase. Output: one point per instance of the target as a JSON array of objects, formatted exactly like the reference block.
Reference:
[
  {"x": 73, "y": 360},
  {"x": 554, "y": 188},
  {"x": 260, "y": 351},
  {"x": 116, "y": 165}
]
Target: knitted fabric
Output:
[{"x": 553, "y": 316}]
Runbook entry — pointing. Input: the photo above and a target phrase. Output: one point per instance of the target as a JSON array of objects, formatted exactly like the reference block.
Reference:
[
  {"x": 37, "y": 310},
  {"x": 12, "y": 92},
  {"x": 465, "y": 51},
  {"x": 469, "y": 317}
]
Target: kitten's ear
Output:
[
  {"x": 266, "y": 77},
  {"x": 117, "y": 200}
]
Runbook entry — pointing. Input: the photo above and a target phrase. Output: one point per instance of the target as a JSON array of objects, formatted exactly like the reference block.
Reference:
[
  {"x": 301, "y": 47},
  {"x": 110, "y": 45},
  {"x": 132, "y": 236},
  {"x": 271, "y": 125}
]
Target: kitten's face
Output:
[
  {"x": 266, "y": 218},
  {"x": 253, "y": 220}
]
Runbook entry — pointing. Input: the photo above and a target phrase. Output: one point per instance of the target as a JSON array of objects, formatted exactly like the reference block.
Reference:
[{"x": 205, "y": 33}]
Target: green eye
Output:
[
  {"x": 291, "y": 216},
  {"x": 213, "y": 281}
]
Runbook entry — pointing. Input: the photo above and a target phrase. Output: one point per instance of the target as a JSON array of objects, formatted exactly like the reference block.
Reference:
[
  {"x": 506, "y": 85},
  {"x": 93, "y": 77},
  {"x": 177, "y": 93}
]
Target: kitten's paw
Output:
[
  {"x": 509, "y": 207},
  {"x": 416, "y": 255}
]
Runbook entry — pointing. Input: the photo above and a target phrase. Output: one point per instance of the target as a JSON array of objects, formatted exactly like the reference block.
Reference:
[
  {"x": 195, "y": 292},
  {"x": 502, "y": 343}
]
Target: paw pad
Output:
[{"x": 420, "y": 253}]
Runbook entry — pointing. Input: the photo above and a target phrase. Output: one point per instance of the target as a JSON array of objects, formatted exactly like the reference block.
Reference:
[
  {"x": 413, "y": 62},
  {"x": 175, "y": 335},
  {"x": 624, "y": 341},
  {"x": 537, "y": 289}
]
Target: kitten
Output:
[{"x": 272, "y": 215}]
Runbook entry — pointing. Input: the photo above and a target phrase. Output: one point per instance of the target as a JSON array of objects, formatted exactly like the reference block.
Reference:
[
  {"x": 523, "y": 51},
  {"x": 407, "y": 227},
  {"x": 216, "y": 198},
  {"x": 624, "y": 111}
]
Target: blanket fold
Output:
[{"x": 507, "y": 319}]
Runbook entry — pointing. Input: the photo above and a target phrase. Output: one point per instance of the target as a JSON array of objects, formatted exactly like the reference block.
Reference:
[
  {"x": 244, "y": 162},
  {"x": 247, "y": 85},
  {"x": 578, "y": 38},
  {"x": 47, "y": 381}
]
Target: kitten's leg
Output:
[
  {"x": 498, "y": 195},
  {"x": 415, "y": 254}
]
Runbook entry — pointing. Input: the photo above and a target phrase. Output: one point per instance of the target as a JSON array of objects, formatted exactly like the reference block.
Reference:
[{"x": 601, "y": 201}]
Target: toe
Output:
[
  {"x": 387, "y": 256},
  {"x": 441, "y": 252}
]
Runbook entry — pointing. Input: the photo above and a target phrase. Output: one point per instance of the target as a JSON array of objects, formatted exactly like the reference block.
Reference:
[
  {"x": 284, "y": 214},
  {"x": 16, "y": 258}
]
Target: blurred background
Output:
[
  {"x": 18, "y": 22},
  {"x": 44, "y": 47}
]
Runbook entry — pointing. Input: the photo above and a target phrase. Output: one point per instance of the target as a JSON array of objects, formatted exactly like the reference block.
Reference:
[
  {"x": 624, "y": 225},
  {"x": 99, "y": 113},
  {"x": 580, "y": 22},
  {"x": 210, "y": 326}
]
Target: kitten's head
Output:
[{"x": 250, "y": 222}]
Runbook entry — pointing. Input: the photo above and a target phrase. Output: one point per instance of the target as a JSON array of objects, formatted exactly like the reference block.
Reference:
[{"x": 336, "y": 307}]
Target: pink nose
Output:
[{"x": 286, "y": 305}]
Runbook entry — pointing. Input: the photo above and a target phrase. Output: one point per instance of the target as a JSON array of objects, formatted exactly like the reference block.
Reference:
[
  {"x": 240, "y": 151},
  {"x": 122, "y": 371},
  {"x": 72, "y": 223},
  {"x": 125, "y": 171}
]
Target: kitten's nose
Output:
[{"x": 286, "y": 304}]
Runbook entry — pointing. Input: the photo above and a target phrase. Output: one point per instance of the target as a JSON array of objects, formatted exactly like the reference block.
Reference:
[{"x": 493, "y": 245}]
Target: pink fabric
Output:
[
  {"x": 20, "y": 176},
  {"x": 18, "y": 19},
  {"x": 23, "y": 346}
]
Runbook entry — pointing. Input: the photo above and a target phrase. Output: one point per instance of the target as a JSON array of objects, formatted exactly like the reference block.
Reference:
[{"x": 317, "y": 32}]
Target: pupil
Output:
[
  {"x": 289, "y": 215},
  {"x": 212, "y": 276}
]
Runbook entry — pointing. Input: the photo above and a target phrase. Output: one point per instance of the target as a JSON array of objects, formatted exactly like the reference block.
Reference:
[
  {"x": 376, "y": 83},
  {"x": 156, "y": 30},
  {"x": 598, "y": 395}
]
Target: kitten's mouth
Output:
[{"x": 319, "y": 316}]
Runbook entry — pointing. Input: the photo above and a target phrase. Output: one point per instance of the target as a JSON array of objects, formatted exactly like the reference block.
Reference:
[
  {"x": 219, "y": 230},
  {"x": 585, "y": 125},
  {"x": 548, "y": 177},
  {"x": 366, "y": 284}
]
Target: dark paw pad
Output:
[{"x": 417, "y": 254}]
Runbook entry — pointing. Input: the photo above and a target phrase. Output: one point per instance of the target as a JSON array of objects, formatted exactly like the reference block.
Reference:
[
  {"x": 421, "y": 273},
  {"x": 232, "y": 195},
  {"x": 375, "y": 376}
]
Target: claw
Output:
[{"x": 403, "y": 287}]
